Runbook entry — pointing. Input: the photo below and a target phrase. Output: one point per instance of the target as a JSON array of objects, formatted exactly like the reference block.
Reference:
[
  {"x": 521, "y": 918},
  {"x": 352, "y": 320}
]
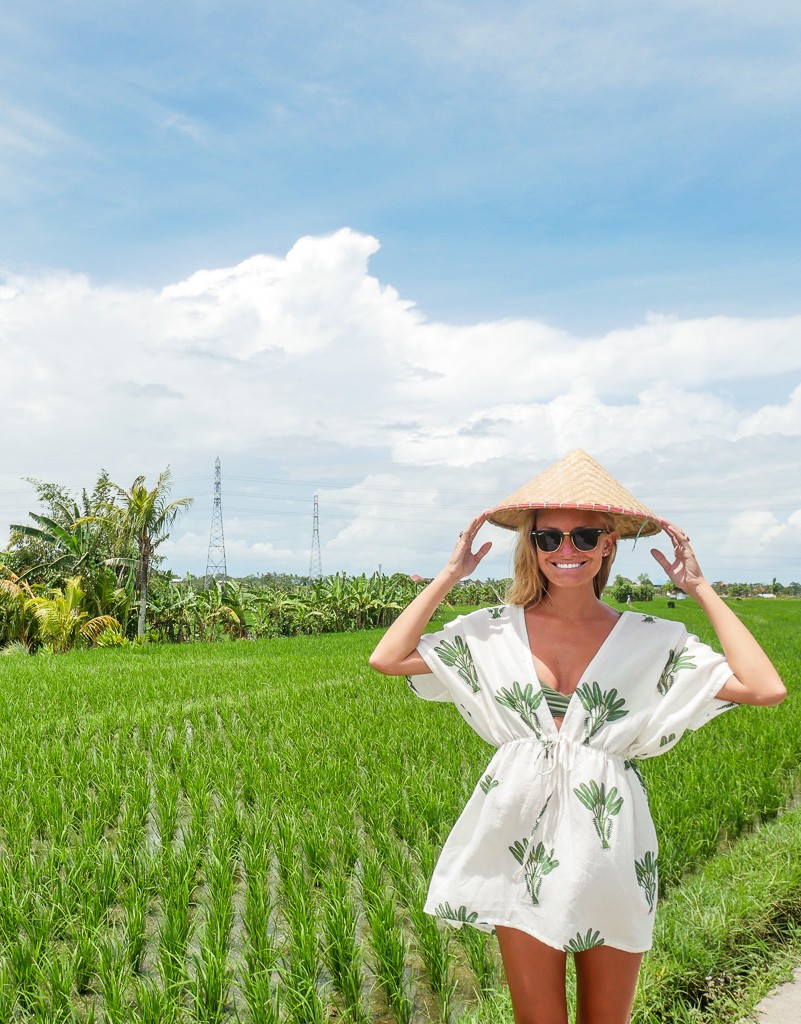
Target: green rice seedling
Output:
[
  {"x": 208, "y": 988},
  {"x": 301, "y": 967},
  {"x": 212, "y": 978},
  {"x": 113, "y": 975},
  {"x": 106, "y": 878},
  {"x": 7, "y": 995},
  {"x": 261, "y": 998},
  {"x": 346, "y": 843},
  {"x": 167, "y": 809},
  {"x": 399, "y": 866},
  {"x": 57, "y": 976},
  {"x": 24, "y": 957},
  {"x": 261, "y": 952},
  {"x": 175, "y": 927},
  {"x": 342, "y": 954},
  {"x": 372, "y": 883},
  {"x": 154, "y": 1006},
  {"x": 317, "y": 851},
  {"x": 85, "y": 963},
  {"x": 433, "y": 945},
  {"x": 478, "y": 949},
  {"x": 390, "y": 953},
  {"x": 285, "y": 852},
  {"x": 136, "y": 903},
  {"x": 300, "y": 972}
]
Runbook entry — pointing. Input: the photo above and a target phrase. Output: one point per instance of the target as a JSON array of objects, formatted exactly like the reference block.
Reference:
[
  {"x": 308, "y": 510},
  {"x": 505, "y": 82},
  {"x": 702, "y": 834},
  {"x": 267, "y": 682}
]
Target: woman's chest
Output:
[{"x": 562, "y": 656}]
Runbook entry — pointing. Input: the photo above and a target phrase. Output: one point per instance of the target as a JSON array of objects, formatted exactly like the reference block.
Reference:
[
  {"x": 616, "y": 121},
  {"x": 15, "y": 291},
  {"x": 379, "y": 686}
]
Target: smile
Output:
[{"x": 568, "y": 565}]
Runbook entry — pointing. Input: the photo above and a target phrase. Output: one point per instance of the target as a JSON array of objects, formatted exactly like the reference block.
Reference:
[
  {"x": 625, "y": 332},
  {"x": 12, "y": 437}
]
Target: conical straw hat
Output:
[{"x": 578, "y": 481}]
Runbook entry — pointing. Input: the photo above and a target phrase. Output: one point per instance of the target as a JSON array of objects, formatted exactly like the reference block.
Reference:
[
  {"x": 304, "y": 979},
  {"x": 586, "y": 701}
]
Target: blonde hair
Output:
[{"x": 529, "y": 585}]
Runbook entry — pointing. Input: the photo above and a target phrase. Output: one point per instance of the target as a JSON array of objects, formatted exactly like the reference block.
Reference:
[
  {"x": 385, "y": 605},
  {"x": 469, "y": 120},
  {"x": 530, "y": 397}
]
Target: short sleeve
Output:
[
  {"x": 447, "y": 654},
  {"x": 685, "y": 698},
  {"x": 458, "y": 658}
]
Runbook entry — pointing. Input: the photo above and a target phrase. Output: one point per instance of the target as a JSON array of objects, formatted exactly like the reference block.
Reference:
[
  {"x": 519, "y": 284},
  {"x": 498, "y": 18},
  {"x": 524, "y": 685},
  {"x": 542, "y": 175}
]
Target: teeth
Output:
[{"x": 568, "y": 565}]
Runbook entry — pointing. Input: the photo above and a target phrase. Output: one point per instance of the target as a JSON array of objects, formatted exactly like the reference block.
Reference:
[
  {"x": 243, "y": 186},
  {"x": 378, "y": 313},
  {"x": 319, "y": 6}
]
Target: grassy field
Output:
[{"x": 244, "y": 831}]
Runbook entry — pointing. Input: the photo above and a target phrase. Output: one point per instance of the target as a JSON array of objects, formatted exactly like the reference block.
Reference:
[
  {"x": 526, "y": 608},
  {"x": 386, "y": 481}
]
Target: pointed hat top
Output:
[{"x": 578, "y": 481}]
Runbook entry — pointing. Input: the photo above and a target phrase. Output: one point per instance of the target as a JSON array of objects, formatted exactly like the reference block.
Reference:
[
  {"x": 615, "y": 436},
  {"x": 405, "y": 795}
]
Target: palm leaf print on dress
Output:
[
  {"x": 633, "y": 766},
  {"x": 601, "y": 707},
  {"x": 536, "y": 865},
  {"x": 647, "y": 875},
  {"x": 603, "y": 806},
  {"x": 525, "y": 702},
  {"x": 457, "y": 655},
  {"x": 447, "y": 913},
  {"x": 582, "y": 942},
  {"x": 677, "y": 660},
  {"x": 488, "y": 783},
  {"x": 496, "y": 613}
]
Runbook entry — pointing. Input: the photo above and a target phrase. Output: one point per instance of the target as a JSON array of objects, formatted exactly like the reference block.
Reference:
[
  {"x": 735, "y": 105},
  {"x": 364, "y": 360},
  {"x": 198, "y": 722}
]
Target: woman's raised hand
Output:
[
  {"x": 464, "y": 560},
  {"x": 684, "y": 571}
]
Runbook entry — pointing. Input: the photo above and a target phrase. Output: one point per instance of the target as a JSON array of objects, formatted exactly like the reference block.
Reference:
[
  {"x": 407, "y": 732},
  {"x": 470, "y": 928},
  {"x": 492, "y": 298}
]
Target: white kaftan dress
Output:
[{"x": 557, "y": 839}]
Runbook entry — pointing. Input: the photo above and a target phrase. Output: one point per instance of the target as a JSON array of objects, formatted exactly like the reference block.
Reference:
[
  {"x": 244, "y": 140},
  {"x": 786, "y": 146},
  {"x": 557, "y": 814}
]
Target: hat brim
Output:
[{"x": 629, "y": 523}]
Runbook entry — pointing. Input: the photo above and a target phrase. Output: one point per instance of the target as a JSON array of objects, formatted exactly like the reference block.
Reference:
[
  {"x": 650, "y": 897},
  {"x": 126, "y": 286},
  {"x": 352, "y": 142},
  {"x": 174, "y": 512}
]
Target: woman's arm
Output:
[
  {"x": 396, "y": 652},
  {"x": 755, "y": 680}
]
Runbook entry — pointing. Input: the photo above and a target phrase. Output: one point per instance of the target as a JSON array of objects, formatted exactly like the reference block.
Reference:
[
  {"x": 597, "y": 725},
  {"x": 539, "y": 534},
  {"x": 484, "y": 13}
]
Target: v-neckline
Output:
[{"x": 522, "y": 633}]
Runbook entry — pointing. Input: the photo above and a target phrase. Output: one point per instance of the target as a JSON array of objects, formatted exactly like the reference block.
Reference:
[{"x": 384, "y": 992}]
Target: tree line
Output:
[{"x": 86, "y": 572}]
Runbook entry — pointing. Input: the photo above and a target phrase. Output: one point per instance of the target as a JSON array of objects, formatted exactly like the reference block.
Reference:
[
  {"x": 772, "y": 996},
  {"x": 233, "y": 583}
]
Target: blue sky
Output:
[
  {"x": 581, "y": 162},
  {"x": 564, "y": 181}
]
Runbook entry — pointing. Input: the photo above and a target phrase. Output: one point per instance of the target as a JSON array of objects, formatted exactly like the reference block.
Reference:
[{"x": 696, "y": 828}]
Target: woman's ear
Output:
[{"x": 609, "y": 544}]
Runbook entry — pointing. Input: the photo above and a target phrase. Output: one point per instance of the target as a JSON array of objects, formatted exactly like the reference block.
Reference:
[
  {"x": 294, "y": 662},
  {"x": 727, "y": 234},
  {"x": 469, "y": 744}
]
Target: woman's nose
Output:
[{"x": 567, "y": 547}]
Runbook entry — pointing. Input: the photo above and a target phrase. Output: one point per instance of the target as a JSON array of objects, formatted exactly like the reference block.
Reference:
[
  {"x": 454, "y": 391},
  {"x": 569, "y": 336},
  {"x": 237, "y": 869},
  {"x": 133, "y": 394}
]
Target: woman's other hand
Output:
[
  {"x": 464, "y": 560},
  {"x": 396, "y": 652},
  {"x": 684, "y": 571}
]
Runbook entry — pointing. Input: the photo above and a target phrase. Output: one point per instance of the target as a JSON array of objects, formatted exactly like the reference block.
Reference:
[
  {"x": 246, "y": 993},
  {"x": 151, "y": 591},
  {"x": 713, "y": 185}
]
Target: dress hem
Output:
[{"x": 489, "y": 926}]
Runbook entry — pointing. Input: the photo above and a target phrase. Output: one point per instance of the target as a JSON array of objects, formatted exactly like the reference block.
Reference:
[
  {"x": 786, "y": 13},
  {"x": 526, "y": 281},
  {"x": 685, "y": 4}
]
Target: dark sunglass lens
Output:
[
  {"x": 548, "y": 540},
  {"x": 585, "y": 539}
]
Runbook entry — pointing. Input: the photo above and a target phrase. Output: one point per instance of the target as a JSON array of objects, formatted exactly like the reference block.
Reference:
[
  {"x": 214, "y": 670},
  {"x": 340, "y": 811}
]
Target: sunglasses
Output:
[{"x": 583, "y": 538}]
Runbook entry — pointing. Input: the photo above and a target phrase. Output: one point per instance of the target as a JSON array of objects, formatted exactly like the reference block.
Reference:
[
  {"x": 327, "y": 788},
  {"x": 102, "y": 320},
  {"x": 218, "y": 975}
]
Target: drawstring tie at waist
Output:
[{"x": 554, "y": 761}]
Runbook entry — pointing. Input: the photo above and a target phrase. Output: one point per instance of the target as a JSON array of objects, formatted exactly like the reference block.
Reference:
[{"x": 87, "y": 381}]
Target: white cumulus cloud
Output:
[{"x": 307, "y": 370}]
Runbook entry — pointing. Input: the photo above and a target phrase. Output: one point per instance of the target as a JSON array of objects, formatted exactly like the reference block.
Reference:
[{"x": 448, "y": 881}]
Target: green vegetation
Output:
[
  {"x": 103, "y": 548},
  {"x": 245, "y": 831}
]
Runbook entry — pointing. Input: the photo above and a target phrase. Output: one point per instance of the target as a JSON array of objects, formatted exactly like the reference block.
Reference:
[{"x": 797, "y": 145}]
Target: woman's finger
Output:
[
  {"x": 661, "y": 559},
  {"x": 483, "y": 550}
]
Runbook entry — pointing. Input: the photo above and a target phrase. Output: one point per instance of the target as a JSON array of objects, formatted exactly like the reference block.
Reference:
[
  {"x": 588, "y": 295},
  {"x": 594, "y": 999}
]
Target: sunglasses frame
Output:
[{"x": 572, "y": 534}]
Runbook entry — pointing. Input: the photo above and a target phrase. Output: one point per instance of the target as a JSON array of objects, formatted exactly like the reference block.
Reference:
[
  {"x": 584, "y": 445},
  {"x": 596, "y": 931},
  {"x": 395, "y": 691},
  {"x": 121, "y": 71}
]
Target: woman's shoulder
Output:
[
  {"x": 480, "y": 620},
  {"x": 654, "y": 625}
]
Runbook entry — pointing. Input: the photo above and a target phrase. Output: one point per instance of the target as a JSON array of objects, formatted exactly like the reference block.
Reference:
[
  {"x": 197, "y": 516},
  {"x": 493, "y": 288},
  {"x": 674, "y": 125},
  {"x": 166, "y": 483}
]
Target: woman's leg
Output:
[
  {"x": 606, "y": 980},
  {"x": 536, "y": 977}
]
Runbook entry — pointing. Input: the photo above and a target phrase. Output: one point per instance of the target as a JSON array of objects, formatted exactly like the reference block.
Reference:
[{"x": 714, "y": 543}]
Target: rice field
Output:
[{"x": 244, "y": 831}]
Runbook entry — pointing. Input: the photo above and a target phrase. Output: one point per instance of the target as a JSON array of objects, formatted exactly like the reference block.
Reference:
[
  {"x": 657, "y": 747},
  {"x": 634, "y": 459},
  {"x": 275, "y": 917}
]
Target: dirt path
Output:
[{"x": 783, "y": 1005}]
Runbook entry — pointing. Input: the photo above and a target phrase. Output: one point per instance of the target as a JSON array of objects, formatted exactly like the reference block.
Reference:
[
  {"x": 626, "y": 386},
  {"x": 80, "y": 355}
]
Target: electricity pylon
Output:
[
  {"x": 215, "y": 560},
  {"x": 315, "y": 561}
]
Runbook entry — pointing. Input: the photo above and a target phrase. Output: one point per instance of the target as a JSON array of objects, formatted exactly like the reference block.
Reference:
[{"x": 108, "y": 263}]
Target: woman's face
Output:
[{"x": 568, "y": 566}]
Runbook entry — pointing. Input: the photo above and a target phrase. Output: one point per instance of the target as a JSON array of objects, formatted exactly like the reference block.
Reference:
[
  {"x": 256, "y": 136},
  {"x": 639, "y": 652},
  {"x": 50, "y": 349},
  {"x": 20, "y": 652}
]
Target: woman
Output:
[{"x": 556, "y": 849}]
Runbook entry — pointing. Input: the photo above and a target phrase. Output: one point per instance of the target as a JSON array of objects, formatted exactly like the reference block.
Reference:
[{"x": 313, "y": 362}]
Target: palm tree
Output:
[
  {"x": 142, "y": 518},
  {"x": 17, "y": 621},
  {"x": 62, "y": 621}
]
